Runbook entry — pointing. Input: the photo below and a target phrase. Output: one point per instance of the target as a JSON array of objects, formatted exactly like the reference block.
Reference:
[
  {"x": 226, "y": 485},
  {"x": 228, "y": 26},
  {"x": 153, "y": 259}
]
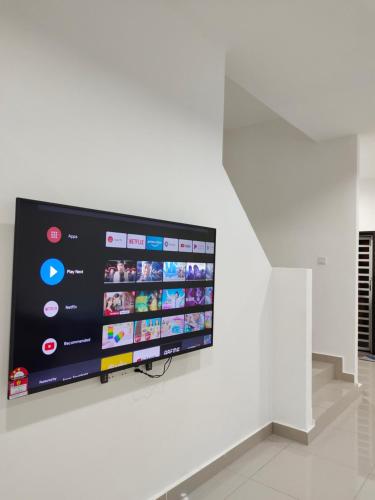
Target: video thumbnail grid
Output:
[
  {"x": 145, "y": 330},
  {"x": 147, "y": 271},
  {"x": 166, "y": 335},
  {"x": 144, "y": 301},
  {"x": 155, "y": 352}
]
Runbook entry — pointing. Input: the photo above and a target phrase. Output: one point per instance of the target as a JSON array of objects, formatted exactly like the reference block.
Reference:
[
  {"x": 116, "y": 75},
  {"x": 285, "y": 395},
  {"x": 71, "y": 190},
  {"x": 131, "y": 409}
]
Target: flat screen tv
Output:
[{"x": 96, "y": 292}]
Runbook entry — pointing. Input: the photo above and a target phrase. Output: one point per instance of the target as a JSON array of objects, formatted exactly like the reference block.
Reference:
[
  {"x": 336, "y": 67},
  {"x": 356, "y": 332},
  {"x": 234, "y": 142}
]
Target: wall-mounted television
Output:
[{"x": 96, "y": 292}]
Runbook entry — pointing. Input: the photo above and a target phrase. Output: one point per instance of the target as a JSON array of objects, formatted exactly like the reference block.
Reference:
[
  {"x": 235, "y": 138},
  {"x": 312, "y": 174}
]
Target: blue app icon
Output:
[
  {"x": 52, "y": 271},
  {"x": 154, "y": 243}
]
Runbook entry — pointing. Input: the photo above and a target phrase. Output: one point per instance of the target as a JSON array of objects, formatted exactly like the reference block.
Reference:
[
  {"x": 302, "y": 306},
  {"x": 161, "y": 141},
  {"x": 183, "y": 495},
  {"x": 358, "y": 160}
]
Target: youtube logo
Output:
[
  {"x": 185, "y": 246},
  {"x": 49, "y": 346}
]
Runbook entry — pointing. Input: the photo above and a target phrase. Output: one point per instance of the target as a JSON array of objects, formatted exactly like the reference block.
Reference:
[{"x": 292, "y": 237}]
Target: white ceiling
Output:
[
  {"x": 311, "y": 61},
  {"x": 241, "y": 109}
]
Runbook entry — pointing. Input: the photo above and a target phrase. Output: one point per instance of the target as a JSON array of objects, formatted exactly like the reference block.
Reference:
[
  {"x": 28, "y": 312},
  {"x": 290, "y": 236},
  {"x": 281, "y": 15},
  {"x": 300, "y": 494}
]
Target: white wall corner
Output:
[{"x": 291, "y": 291}]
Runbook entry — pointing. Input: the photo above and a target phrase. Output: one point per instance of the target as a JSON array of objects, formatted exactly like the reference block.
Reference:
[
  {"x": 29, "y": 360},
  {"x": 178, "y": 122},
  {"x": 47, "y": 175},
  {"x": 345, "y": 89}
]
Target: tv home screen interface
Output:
[{"x": 95, "y": 292}]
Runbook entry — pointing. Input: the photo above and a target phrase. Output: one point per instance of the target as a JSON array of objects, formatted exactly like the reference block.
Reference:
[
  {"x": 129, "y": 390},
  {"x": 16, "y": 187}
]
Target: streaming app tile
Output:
[
  {"x": 210, "y": 247},
  {"x": 54, "y": 234},
  {"x": 137, "y": 241},
  {"x": 199, "y": 246},
  {"x": 52, "y": 272},
  {"x": 154, "y": 243},
  {"x": 185, "y": 245},
  {"x": 49, "y": 346},
  {"x": 115, "y": 240},
  {"x": 143, "y": 354},
  {"x": 115, "y": 361},
  {"x": 170, "y": 245}
]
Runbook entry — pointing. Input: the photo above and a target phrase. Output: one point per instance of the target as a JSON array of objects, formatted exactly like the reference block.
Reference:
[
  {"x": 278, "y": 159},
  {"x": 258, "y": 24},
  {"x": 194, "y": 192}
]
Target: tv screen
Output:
[{"x": 95, "y": 292}]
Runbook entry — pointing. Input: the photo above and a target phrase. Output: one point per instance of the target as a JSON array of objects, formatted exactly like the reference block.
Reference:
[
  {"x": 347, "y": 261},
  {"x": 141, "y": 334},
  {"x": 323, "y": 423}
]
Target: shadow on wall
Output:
[{"x": 44, "y": 405}]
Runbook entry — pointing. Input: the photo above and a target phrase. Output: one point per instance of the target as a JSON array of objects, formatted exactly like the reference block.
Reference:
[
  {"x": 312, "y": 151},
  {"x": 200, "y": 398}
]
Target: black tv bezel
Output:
[{"x": 101, "y": 373}]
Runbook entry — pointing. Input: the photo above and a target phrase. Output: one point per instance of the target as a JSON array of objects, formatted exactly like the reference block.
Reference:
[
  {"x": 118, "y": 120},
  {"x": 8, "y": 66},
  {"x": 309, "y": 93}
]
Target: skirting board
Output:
[
  {"x": 290, "y": 433},
  {"x": 337, "y": 362},
  {"x": 204, "y": 474}
]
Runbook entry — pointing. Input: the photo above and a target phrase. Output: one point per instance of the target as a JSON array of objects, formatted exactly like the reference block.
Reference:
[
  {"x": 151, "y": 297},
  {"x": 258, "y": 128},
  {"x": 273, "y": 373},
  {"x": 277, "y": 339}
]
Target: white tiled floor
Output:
[{"x": 338, "y": 465}]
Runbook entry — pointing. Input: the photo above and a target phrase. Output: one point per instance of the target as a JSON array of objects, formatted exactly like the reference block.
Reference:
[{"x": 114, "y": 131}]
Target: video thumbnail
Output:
[
  {"x": 173, "y": 298},
  {"x": 194, "y": 322},
  {"x": 148, "y": 300},
  {"x": 174, "y": 271},
  {"x": 172, "y": 325},
  {"x": 116, "y": 303},
  {"x": 117, "y": 335},
  {"x": 208, "y": 319},
  {"x": 120, "y": 271},
  {"x": 195, "y": 271},
  {"x": 209, "y": 272},
  {"x": 148, "y": 270},
  {"x": 143, "y": 354},
  {"x": 116, "y": 361},
  {"x": 195, "y": 342},
  {"x": 194, "y": 297},
  {"x": 208, "y": 295},
  {"x": 147, "y": 329}
]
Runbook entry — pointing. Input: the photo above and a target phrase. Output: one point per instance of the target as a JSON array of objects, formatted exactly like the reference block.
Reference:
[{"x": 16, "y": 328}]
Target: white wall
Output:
[
  {"x": 366, "y": 199},
  {"x": 301, "y": 199},
  {"x": 292, "y": 360},
  {"x": 118, "y": 106}
]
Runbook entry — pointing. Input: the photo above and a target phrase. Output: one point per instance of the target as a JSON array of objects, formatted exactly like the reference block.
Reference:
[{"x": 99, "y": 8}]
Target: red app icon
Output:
[
  {"x": 110, "y": 239},
  {"x": 54, "y": 234},
  {"x": 49, "y": 346}
]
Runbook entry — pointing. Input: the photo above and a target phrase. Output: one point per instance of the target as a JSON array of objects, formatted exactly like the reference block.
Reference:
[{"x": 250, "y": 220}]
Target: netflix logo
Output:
[{"x": 137, "y": 241}]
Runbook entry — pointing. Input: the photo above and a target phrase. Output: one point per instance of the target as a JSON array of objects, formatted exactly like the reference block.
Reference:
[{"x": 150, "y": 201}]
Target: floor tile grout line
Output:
[
  {"x": 362, "y": 485},
  {"x": 250, "y": 478},
  {"x": 287, "y": 445},
  {"x": 272, "y": 488},
  {"x": 268, "y": 461},
  {"x": 333, "y": 461}
]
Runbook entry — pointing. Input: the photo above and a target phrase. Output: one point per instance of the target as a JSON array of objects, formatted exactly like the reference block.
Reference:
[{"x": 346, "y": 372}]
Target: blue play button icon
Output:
[{"x": 52, "y": 271}]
